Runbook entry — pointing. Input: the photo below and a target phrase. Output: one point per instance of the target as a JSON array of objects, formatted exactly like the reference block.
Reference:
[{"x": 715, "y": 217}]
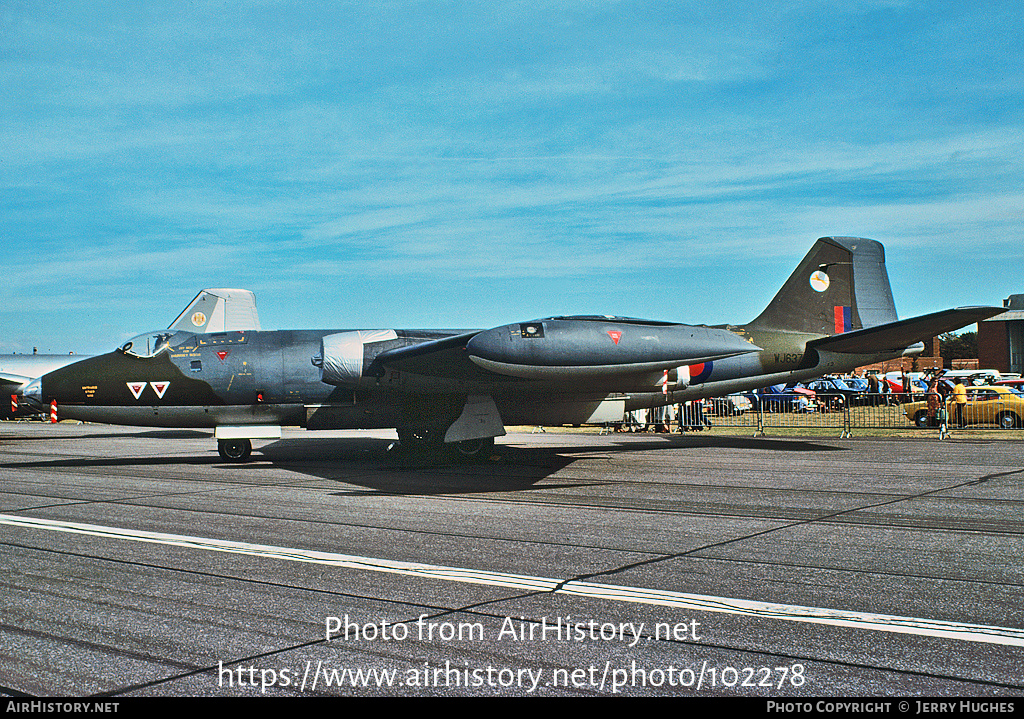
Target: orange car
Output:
[{"x": 1000, "y": 405}]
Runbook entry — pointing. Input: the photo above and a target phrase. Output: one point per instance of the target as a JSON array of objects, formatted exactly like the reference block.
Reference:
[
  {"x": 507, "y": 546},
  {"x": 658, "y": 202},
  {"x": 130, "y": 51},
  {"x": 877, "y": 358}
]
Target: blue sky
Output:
[{"x": 467, "y": 164}]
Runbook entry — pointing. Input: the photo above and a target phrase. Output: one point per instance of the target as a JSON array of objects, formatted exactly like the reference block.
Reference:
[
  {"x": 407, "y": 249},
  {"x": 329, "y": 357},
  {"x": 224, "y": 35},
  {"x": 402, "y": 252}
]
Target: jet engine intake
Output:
[{"x": 341, "y": 358}]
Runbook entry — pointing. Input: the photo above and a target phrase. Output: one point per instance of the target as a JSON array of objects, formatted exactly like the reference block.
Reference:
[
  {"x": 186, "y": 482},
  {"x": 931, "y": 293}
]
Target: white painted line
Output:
[{"x": 723, "y": 605}]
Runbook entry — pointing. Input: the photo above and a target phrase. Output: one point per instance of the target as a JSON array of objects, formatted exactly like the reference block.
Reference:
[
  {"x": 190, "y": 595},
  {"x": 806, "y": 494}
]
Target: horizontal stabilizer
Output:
[{"x": 894, "y": 336}]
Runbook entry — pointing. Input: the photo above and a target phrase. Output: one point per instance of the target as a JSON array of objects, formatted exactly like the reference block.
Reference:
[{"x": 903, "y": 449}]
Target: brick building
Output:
[{"x": 1001, "y": 338}]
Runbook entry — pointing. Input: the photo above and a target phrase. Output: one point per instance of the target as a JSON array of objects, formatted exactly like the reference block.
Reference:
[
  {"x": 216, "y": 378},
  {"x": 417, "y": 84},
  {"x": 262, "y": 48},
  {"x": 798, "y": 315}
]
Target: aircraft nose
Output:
[{"x": 33, "y": 392}]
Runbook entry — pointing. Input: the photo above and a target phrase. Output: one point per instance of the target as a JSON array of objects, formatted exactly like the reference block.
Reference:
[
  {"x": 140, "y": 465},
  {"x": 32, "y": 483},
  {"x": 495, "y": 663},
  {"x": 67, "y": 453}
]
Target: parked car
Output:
[
  {"x": 828, "y": 388},
  {"x": 730, "y": 405},
  {"x": 998, "y": 404},
  {"x": 777, "y": 398},
  {"x": 917, "y": 384},
  {"x": 976, "y": 377}
]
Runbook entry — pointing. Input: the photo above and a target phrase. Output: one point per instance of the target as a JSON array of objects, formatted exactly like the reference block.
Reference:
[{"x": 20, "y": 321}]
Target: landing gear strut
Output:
[
  {"x": 234, "y": 450},
  {"x": 422, "y": 438}
]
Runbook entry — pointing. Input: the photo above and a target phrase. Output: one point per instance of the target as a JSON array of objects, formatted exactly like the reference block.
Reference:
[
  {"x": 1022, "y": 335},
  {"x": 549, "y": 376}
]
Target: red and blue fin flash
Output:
[{"x": 843, "y": 319}]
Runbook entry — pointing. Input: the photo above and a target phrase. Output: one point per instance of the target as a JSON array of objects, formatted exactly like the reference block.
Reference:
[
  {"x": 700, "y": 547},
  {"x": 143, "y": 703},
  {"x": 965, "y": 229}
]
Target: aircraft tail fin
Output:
[
  {"x": 840, "y": 286},
  {"x": 219, "y": 310}
]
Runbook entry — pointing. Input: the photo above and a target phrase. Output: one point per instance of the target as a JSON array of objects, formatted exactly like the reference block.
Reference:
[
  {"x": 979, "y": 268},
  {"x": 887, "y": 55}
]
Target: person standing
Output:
[
  {"x": 934, "y": 401},
  {"x": 960, "y": 398}
]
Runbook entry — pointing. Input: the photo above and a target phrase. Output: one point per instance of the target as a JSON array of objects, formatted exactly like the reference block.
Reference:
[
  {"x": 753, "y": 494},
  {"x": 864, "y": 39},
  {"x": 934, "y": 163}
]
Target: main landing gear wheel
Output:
[
  {"x": 475, "y": 448},
  {"x": 234, "y": 450}
]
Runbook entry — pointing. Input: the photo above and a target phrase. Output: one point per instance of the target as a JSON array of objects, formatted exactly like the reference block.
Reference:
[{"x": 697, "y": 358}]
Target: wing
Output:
[
  {"x": 11, "y": 378},
  {"x": 446, "y": 357},
  {"x": 565, "y": 348},
  {"x": 19, "y": 369}
]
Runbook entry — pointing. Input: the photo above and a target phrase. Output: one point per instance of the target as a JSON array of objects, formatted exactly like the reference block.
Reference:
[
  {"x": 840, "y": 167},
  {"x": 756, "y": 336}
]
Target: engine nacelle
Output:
[
  {"x": 578, "y": 347},
  {"x": 341, "y": 358}
]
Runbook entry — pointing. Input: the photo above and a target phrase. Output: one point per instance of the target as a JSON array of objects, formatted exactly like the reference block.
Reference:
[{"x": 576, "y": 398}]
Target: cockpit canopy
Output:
[{"x": 149, "y": 344}]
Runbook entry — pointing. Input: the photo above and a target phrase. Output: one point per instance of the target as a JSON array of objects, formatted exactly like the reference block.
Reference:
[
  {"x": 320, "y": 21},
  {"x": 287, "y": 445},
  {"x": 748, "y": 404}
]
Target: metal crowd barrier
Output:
[
  {"x": 985, "y": 409},
  {"x": 789, "y": 410}
]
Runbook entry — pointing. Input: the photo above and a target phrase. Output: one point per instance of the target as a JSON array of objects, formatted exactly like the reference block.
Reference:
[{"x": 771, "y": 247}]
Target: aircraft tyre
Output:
[
  {"x": 475, "y": 448},
  {"x": 234, "y": 450},
  {"x": 921, "y": 418}
]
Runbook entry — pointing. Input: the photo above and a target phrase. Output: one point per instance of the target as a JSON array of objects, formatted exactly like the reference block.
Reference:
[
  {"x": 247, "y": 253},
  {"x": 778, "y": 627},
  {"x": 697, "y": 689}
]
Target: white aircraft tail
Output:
[{"x": 219, "y": 310}]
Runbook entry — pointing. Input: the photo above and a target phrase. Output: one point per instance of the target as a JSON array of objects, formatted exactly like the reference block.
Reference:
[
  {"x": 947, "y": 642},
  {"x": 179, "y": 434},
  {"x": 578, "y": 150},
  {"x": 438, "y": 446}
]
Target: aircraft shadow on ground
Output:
[
  {"x": 384, "y": 467},
  {"x": 381, "y": 466},
  {"x": 509, "y": 468}
]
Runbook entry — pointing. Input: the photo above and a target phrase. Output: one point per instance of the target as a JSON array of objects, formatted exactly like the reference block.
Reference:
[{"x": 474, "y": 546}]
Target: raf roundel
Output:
[
  {"x": 199, "y": 319},
  {"x": 700, "y": 372},
  {"x": 819, "y": 281}
]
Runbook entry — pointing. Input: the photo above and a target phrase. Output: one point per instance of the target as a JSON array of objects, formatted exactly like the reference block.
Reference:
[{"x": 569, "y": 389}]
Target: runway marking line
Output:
[{"x": 679, "y": 600}]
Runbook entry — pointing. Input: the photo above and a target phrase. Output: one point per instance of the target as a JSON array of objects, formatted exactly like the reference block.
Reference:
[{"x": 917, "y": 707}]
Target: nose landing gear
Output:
[
  {"x": 234, "y": 450},
  {"x": 234, "y": 442}
]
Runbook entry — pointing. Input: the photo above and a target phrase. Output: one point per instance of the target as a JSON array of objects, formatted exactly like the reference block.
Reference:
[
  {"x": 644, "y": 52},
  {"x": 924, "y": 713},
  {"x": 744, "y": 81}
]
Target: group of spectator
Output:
[{"x": 938, "y": 391}]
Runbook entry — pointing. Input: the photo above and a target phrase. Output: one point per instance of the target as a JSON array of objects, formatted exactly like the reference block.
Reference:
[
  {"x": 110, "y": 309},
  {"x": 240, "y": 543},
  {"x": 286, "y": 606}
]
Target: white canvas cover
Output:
[{"x": 343, "y": 354}]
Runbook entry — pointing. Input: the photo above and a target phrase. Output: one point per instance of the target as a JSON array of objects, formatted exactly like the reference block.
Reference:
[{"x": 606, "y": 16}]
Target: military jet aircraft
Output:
[{"x": 460, "y": 388}]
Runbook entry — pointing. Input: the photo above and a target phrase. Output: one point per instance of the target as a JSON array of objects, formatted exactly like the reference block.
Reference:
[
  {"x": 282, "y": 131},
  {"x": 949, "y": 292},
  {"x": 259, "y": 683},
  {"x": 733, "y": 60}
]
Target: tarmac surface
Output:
[{"x": 137, "y": 562}]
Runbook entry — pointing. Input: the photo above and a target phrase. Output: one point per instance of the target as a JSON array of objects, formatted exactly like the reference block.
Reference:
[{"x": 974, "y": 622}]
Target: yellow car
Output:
[{"x": 1001, "y": 405}]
